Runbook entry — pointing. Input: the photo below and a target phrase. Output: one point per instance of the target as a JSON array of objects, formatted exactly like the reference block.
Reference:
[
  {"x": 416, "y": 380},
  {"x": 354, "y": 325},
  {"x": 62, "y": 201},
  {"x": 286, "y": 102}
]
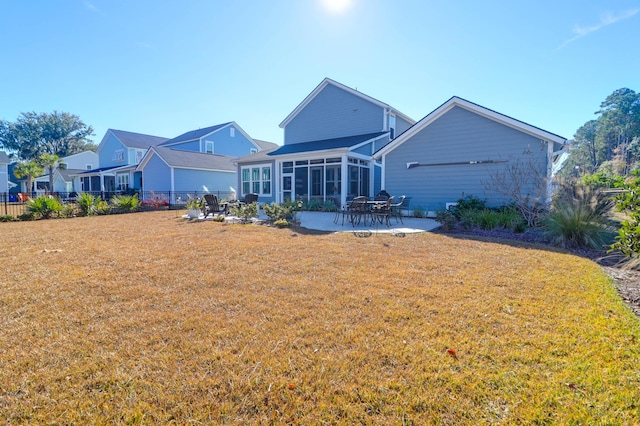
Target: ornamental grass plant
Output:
[{"x": 152, "y": 319}]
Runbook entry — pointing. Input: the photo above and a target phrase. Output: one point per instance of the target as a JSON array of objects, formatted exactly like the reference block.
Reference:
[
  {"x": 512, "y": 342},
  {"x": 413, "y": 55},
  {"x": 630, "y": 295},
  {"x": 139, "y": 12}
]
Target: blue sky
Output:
[{"x": 167, "y": 67}]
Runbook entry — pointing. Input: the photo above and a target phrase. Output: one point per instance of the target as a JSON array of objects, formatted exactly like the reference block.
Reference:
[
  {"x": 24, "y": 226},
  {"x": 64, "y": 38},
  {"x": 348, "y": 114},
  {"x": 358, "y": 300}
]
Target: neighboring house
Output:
[
  {"x": 66, "y": 179},
  {"x": 197, "y": 161},
  {"x": 119, "y": 153},
  {"x": 4, "y": 172},
  {"x": 329, "y": 141},
  {"x": 455, "y": 150}
]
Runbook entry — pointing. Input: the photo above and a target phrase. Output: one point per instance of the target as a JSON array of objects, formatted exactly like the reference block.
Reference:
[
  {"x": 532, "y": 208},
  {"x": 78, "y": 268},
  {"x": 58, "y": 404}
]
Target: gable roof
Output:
[
  {"x": 477, "y": 109},
  {"x": 336, "y": 143},
  {"x": 4, "y": 158},
  {"x": 190, "y": 159},
  {"x": 328, "y": 81},
  {"x": 266, "y": 146},
  {"x": 137, "y": 140},
  {"x": 195, "y": 134}
]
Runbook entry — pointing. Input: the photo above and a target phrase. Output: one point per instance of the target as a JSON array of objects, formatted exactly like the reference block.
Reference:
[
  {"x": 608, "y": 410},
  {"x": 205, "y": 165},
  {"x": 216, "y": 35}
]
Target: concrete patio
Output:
[{"x": 324, "y": 221}]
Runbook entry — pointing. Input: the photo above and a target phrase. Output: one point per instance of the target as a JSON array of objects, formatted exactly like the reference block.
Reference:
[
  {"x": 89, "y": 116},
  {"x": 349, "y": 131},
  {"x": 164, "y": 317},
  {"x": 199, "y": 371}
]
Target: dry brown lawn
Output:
[{"x": 150, "y": 319}]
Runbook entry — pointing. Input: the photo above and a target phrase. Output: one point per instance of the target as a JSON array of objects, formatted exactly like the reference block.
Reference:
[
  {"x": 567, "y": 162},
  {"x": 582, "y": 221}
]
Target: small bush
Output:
[
  {"x": 418, "y": 212},
  {"x": 275, "y": 211},
  {"x": 7, "y": 218},
  {"x": 219, "y": 218},
  {"x": 446, "y": 218},
  {"x": 88, "y": 204},
  {"x": 578, "y": 217},
  {"x": 125, "y": 203},
  {"x": 470, "y": 202},
  {"x": 282, "y": 223},
  {"x": 27, "y": 216},
  {"x": 44, "y": 206},
  {"x": 67, "y": 210},
  {"x": 245, "y": 211},
  {"x": 628, "y": 238},
  {"x": 486, "y": 219}
]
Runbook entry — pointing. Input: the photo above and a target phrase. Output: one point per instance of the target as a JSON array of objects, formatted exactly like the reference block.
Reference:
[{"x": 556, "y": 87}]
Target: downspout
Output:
[{"x": 345, "y": 180}]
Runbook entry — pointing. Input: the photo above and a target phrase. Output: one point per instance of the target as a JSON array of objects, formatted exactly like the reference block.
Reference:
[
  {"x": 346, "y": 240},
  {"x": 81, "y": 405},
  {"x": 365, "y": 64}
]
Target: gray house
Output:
[
  {"x": 329, "y": 141},
  {"x": 459, "y": 149}
]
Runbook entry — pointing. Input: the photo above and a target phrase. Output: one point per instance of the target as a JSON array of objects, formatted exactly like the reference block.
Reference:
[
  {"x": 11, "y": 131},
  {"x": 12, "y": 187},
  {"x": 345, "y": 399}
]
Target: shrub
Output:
[
  {"x": 88, "y": 204},
  {"x": 219, "y": 218},
  {"x": 446, "y": 218},
  {"x": 604, "y": 180},
  {"x": 486, "y": 219},
  {"x": 27, "y": 216},
  {"x": 126, "y": 203},
  {"x": 281, "y": 223},
  {"x": 628, "y": 238},
  {"x": 44, "y": 206},
  {"x": 67, "y": 210},
  {"x": 245, "y": 211},
  {"x": 418, "y": 212},
  {"x": 328, "y": 206},
  {"x": 276, "y": 212},
  {"x": 7, "y": 218},
  {"x": 578, "y": 217},
  {"x": 470, "y": 202}
]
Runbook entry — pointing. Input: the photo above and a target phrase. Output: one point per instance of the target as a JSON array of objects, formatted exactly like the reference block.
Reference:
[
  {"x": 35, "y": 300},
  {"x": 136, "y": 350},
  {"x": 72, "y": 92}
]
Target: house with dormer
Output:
[
  {"x": 327, "y": 155},
  {"x": 199, "y": 161}
]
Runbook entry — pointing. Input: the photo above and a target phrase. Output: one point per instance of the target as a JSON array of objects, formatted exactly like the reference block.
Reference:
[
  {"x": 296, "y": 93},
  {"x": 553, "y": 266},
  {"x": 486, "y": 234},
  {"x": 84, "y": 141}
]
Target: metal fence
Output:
[{"x": 15, "y": 204}]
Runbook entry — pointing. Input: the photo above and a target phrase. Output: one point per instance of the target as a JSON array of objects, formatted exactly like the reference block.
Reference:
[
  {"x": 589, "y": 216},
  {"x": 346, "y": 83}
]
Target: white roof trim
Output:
[
  {"x": 477, "y": 109},
  {"x": 327, "y": 81}
]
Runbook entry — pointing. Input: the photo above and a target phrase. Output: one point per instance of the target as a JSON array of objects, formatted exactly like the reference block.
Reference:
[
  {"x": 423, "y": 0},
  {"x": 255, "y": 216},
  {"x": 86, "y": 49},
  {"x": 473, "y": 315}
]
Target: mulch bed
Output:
[{"x": 627, "y": 280}]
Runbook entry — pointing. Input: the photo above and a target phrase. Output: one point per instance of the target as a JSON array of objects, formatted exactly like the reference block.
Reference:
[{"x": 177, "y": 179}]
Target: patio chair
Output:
[
  {"x": 382, "y": 196},
  {"x": 356, "y": 210},
  {"x": 380, "y": 213},
  {"x": 250, "y": 198},
  {"x": 211, "y": 205},
  {"x": 396, "y": 208}
]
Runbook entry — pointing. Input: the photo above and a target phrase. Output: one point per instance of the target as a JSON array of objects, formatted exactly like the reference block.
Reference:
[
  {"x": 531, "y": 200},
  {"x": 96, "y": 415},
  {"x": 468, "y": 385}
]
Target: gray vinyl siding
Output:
[
  {"x": 105, "y": 156},
  {"x": 401, "y": 126},
  {"x": 156, "y": 175},
  {"x": 203, "y": 180},
  {"x": 457, "y": 136},
  {"x": 225, "y": 144},
  {"x": 331, "y": 114}
]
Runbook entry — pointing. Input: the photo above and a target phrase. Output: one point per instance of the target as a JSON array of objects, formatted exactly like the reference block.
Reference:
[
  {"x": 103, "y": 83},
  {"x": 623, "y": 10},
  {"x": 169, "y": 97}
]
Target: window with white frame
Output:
[
  {"x": 232, "y": 132},
  {"x": 208, "y": 147},
  {"x": 118, "y": 155},
  {"x": 256, "y": 179},
  {"x": 123, "y": 182},
  {"x": 139, "y": 155},
  {"x": 392, "y": 126}
]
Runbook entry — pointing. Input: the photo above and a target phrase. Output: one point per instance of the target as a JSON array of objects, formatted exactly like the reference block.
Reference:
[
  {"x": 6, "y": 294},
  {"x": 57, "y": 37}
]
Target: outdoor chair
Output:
[
  {"x": 250, "y": 198},
  {"x": 380, "y": 213},
  {"x": 396, "y": 208},
  {"x": 356, "y": 210},
  {"x": 382, "y": 196},
  {"x": 211, "y": 205}
]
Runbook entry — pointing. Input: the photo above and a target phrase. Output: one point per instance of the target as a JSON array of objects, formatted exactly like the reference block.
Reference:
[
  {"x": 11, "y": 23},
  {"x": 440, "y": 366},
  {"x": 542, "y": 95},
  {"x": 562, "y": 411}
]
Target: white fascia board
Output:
[
  {"x": 319, "y": 88},
  {"x": 147, "y": 157},
  {"x": 311, "y": 155}
]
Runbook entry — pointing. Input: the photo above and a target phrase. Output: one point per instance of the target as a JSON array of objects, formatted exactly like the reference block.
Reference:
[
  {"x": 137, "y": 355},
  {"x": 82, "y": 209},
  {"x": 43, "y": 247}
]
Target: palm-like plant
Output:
[
  {"x": 50, "y": 162},
  {"x": 29, "y": 170},
  {"x": 579, "y": 217}
]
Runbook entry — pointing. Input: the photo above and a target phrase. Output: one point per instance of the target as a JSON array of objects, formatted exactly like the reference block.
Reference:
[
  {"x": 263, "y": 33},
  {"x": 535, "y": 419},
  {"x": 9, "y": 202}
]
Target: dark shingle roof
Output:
[
  {"x": 336, "y": 143},
  {"x": 194, "y": 134},
  {"x": 195, "y": 160},
  {"x": 137, "y": 140}
]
